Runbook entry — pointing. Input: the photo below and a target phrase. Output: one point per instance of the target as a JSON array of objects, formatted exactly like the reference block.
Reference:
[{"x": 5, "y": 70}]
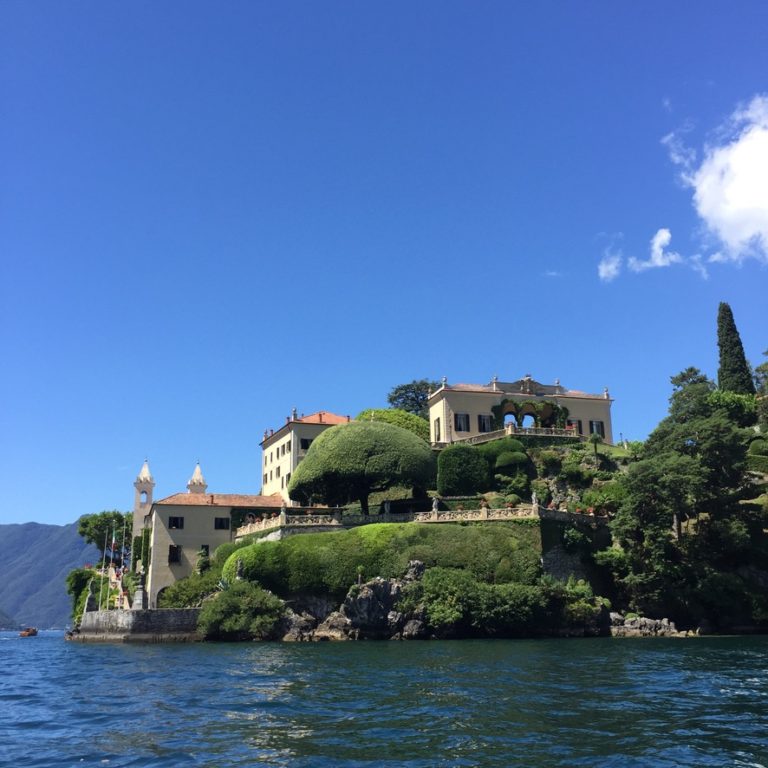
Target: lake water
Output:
[{"x": 596, "y": 702}]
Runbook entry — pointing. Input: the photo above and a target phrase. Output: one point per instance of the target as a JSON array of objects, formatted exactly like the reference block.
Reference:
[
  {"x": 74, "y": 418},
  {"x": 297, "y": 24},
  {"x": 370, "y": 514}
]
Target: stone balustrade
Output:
[{"x": 335, "y": 518}]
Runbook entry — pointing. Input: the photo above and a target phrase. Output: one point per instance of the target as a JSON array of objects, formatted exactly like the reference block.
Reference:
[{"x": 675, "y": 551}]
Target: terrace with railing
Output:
[
  {"x": 309, "y": 519},
  {"x": 512, "y": 430}
]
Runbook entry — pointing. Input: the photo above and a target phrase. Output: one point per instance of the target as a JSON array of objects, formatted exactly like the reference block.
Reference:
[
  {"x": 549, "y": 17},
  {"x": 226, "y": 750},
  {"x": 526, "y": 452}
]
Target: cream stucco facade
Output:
[
  {"x": 185, "y": 524},
  {"x": 462, "y": 411},
  {"x": 284, "y": 448}
]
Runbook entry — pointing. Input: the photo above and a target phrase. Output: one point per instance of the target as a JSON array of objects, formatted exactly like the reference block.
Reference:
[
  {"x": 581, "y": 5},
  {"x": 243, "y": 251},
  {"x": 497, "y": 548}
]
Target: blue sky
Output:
[{"x": 213, "y": 212}]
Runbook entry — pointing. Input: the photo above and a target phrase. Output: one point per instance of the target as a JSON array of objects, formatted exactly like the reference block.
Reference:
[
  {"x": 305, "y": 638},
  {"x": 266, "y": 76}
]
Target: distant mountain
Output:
[
  {"x": 34, "y": 562},
  {"x": 6, "y": 622}
]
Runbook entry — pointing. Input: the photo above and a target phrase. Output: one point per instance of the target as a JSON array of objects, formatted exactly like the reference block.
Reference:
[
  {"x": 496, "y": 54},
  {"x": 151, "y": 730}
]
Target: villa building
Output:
[
  {"x": 185, "y": 526},
  {"x": 463, "y": 411},
  {"x": 284, "y": 448}
]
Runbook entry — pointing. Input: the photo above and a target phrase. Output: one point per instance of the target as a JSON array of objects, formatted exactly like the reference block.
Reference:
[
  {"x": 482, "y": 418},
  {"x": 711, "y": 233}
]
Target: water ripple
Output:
[{"x": 486, "y": 703}]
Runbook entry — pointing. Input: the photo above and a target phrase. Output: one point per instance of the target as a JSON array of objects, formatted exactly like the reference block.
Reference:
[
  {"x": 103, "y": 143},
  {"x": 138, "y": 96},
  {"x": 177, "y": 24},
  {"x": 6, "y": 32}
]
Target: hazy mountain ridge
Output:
[{"x": 34, "y": 562}]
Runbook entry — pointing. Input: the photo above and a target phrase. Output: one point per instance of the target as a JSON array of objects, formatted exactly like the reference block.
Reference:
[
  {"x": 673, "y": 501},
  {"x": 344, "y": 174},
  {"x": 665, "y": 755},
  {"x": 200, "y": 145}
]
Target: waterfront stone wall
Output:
[{"x": 158, "y": 626}]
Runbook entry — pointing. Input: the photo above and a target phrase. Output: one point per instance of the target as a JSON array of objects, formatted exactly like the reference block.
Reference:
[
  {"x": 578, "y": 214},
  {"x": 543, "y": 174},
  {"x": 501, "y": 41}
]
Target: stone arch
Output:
[{"x": 506, "y": 408}]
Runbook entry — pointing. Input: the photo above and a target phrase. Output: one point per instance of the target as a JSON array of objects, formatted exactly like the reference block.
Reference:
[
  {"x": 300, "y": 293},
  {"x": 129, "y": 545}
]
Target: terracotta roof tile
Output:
[
  {"x": 222, "y": 500},
  {"x": 323, "y": 417}
]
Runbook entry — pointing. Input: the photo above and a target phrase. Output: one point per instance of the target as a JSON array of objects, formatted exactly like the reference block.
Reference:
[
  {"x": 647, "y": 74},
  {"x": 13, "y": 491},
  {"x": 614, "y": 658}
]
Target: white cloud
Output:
[
  {"x": 609, "y": 267},
  {"x": 659, "y": 256},
  {"x": 552, "y": 273},
  {"x": 679, "y": 153},
  {"x": 729, "y": 181},
  {"x": 730, "y": 187}
]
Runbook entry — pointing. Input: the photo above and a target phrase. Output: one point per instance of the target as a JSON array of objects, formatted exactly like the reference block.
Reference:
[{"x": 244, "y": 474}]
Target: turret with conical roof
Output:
[
  {"x": 142, "y": 502},
  {"x": 197, "y": 482}
]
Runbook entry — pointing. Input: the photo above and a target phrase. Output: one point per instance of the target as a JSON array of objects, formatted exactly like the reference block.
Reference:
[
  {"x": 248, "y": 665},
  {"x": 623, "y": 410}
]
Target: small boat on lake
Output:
[{"x": 28, "y": 632}]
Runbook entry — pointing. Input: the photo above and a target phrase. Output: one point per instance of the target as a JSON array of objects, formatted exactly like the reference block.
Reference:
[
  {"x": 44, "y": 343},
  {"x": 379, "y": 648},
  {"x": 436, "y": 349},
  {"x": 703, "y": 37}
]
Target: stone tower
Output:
[
  {"x": 142, "y": 503},
  {"x": 197, "y": 482}
]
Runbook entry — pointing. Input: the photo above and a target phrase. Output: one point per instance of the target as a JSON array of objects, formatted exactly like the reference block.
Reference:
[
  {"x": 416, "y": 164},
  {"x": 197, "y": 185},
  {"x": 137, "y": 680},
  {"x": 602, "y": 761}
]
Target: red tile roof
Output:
[
  {"x": 323, "y": 417},
  {"x": 222, "y": 500}
]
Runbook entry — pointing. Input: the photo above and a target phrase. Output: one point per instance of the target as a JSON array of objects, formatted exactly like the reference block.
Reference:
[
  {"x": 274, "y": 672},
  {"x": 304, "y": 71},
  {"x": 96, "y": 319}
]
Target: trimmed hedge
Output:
[
  {"x": 462, "y": 469},
  {"x": 327, "y": 563}
]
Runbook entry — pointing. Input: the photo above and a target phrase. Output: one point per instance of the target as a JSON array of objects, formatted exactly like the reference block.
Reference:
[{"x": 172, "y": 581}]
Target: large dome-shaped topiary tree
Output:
[{"x": 350, "y": 461}]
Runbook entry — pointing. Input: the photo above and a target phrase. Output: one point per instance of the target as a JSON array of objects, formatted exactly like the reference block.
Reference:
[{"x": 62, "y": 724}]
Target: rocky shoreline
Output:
[{"x": 370, "y": 611}]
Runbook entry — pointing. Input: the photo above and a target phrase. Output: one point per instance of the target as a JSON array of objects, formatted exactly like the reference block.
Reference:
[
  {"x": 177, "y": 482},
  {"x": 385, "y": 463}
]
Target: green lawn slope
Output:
[{"x": 329, "y": 563}]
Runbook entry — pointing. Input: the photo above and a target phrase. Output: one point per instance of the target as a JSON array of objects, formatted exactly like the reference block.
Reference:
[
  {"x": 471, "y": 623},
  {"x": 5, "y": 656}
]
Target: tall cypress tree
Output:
[{"x": 734, "y": 374}]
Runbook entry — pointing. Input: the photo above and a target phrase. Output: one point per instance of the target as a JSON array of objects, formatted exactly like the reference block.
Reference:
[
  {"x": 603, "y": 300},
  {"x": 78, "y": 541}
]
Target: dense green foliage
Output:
[
  {"x": 104, "y": 528},
  {"x": 243, "y": 611},
  {"x": 190, "y": 592},
  {"x": 328, "y": 563},
  {"x": 77, "y": 582},
  {"x": 461, "y": 469},
  {"x": 400, "y": 418},
  {"x": 685, "y": 540},
  {"x": 734, "y": 374},
  {"x": 413, "y": 397},
  {"x": 348, "y": 462},
  {"x": 457, "y": 604},
  {"x": 761, "y": 384}
]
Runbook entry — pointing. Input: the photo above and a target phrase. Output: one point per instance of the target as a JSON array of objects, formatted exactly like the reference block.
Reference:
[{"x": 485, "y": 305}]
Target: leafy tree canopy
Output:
[
  {"x": 348, "y": 462},
  {"x": 413, "y": 397},
  {"x": 105, "y": 526},
  {"x": 399, "y": 418},
  {"x": 734, "y": 374}
]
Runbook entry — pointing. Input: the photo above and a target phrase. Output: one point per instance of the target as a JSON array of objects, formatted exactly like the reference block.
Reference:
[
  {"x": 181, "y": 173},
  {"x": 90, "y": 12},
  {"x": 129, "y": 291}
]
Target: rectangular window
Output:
[
  {"x": 575, "y": 424},
  {"x": 597, "y": 426},
  {"x": 175, "y": 522},
  {"x": 277, "y": 472},
  {"x": 282, "y": 482},
  {"x": 288, "y": 446},
  {"x": 287, "y": 478},
  {"x": 305, "y": 443},
  {"x": 437, "y": 430},
  {"x": 221, "y": 523},
  {"x": 484, "y": 423},
  {"x": 174, "y": 554},
  {"x": 461, "y": 422},
  {"x": 265, "y": 478}
]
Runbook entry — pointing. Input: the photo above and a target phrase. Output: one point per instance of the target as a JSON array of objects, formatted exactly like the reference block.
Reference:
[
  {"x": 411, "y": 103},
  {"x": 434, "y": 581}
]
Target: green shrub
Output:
[
  {"x": 511, "y": 459},
  {"x": 223, "y": 551},
  {"x": 244, "y": 611},
  {"x": 518, "y": 484},
  {"x": 550, "y": 462},
  {"x": 348, "y": 462},
  {"x": 758, "y": 447},
  {"x": 409, "y": 421},
  {"x": 494, "y": 448},
  {"x": 191, "y": 591},
  {"x": 461, "y": 469},
  {"x": 78, "y": 582},
  {"x": 757, "y": 463},
  {"x": 327, "y": 563}
]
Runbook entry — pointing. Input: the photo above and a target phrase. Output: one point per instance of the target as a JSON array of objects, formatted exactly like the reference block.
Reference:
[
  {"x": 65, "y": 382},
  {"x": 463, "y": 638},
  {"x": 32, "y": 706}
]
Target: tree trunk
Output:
[
  {"x": 677, "y": 526},
  {"x": 364, "y": 503}
]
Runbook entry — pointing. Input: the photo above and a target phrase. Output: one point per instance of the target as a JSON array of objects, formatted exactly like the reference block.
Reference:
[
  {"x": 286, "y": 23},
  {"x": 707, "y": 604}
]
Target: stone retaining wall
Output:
[{"x": 159, "y": 626}]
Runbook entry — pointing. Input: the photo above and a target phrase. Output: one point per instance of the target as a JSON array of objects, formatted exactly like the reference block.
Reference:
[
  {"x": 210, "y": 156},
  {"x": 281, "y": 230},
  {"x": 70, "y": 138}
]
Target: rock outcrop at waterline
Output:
[
  {"x": 369, "y": 612},
  {"x": 640, "y": 626}
]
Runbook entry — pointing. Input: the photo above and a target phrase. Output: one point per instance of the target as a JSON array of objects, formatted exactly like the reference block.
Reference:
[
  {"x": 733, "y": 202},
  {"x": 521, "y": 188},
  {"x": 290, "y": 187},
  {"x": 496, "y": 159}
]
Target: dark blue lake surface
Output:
[{"x": 598, "y": 702}]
